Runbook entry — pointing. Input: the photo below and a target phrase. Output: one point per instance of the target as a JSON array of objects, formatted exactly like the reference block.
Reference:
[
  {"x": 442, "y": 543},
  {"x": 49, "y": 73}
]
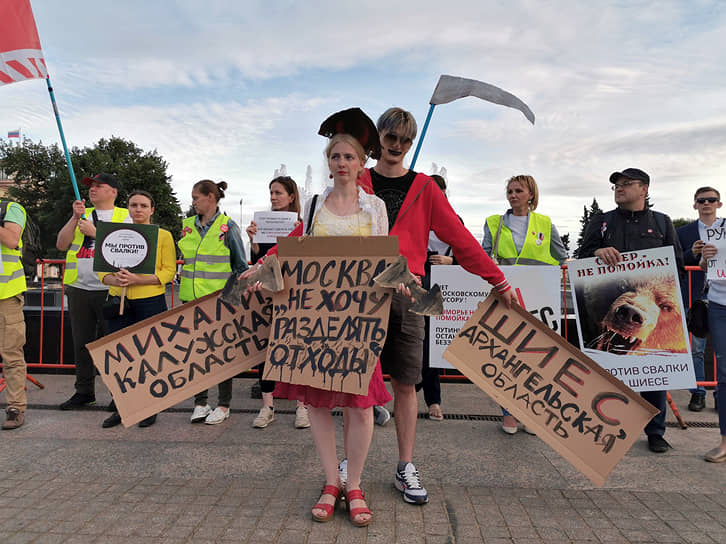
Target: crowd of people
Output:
[{"x": 387, "y": 198}]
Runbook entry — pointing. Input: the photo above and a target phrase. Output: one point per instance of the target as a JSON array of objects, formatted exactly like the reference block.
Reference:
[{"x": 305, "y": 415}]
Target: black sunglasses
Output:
[
  {"x": 391, "y": 138},
  {"x": 709, "y": 199}
]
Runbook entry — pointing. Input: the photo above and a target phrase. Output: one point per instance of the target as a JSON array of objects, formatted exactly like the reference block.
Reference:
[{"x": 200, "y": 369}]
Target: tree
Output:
[
  {"x": 43, "y": 186},
  {"x": 680, "y": 221},
  {"x": 586, "y": 216},
  {"x": 566, "y": 242}
]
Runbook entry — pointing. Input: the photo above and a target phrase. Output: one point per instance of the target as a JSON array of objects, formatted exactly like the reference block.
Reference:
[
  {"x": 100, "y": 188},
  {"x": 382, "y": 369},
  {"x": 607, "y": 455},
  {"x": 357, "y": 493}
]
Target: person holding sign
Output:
[
  {"x": 284, "y": 197},
  {"x": 211, "y": 245},
  {"x": 86, "y": 295},
  {"x": 522, "y": 237},
  {"x": 343, "y": 210},
  {"x": 717, "y": 326},
  {"x": 146, "y": 293}
]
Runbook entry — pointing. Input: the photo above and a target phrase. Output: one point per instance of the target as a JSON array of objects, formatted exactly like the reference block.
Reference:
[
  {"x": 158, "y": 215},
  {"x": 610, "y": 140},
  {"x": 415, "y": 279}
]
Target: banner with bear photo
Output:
[{"x": 631, "y": 320}]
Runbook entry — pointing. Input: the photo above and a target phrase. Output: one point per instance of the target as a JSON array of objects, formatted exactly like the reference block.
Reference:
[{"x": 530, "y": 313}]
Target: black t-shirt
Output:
[{"x": 392, "y": 191}]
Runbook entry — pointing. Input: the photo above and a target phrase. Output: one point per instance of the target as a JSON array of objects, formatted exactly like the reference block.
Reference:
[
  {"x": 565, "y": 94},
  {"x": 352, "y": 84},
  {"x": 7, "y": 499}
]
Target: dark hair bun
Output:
[{"x": 222, "y": 186}]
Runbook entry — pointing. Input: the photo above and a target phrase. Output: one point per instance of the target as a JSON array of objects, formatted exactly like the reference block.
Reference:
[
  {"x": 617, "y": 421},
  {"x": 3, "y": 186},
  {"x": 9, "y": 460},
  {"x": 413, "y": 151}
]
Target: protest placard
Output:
[
  {"x": 537, "y": 286},
  {"x": 124, "y": 245},
  {"x": 270, "y": 225},
  {"x": 631, "y": 320},
  {"x": 580, "y": 410},
  {"x": 161, "y": 361},
  {"x": 716, "y": 235},
  {"x": 330, "y": 320}
]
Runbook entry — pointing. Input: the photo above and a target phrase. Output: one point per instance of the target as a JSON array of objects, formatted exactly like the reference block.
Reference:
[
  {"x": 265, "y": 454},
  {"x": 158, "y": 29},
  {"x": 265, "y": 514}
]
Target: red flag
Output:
[{"x": 21, "y": 57}]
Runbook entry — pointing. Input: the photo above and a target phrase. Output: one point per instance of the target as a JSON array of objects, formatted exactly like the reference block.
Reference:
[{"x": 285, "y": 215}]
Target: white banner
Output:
[
  {"x": 270, "y": 225},
  {"x": 631, "y": 320},
  {"x": 538, "y": 287},
  {"x": 717, "y": 265}
]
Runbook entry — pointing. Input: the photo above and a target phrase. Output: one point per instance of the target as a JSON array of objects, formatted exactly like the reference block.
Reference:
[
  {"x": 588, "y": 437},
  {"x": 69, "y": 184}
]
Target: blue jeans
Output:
[
  {"x": 717, "y": 326},
  {"x": 698, "y": 346}
]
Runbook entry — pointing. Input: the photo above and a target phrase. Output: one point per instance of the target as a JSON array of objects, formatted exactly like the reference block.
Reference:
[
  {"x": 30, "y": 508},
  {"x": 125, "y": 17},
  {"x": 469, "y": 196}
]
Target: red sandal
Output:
[
  {"x": 350, "y": 496},
  {"x": 334, "y": 491}
]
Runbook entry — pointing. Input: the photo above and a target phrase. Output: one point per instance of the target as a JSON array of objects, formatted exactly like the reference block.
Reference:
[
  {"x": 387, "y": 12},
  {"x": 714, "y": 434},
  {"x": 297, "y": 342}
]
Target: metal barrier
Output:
[{"x": 446, "y": 375}]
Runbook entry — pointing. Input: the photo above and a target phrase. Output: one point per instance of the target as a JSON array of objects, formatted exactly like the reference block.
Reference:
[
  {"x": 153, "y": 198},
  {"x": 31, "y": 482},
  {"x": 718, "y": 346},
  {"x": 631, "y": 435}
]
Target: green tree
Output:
[
  {"x": 566, "y": 242},
  {"x": 43, "y": 186},
  {"x": 680, "y": 221},
  {"x": 586, "y": 216}
]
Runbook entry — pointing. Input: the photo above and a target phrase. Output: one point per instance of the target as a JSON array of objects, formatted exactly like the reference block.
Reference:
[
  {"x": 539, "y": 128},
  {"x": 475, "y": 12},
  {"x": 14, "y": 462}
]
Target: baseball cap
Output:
[
  {"x": 630, "y": 173},
  {"x": 108, "y": 179}
]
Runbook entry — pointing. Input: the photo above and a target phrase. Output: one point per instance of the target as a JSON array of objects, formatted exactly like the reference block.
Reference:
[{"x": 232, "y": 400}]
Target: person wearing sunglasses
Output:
[
  {"x": 706, "y": 202},
  {"x": 633, "y": 226}
]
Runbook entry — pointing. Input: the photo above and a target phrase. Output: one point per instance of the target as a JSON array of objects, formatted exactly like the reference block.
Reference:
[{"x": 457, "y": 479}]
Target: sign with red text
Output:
[
  {"x": 581, "y": 411},
  {"x": 631, "y": 321},
  {"x": 538, "y": 287},
  {"x": 330, "y": 320},
  {"x": 716, "y": 235},
  {"x": 165, "y": 359}
]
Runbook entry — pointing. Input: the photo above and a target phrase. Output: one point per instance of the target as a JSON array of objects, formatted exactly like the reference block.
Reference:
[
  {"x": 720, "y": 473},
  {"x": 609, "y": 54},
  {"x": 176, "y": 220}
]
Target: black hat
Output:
[
  {"x": 355, "y": 122},
  {"x": 630, "y": 173},
  {"x": 108, "y": 179}
]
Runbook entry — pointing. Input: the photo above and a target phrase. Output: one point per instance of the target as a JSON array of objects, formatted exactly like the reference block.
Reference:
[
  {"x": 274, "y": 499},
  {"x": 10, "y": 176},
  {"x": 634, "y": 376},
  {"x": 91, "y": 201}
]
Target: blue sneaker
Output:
[
  {"x": 381, "y": 416},
  {"x": 409, "y": 483}
]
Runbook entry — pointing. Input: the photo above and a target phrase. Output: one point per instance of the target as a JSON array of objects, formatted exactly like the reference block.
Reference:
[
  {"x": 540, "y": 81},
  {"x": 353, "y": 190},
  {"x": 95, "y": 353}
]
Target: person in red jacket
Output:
[{"x": 416, "y": 206}]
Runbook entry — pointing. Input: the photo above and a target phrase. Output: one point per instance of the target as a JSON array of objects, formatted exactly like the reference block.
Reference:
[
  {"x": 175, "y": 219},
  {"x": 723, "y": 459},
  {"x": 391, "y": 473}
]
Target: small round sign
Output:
[{"x": 124, "y": 248}]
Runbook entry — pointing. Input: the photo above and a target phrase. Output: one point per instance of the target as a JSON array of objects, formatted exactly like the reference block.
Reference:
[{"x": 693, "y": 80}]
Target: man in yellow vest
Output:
[
  {"x": 86, "y": 294},
  {"x": 12, "y": 321}
]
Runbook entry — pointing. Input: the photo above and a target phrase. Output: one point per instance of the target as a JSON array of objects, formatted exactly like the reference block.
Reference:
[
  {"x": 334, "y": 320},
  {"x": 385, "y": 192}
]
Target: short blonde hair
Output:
[
  {"x": 348, "y": 139},
  {"x": 531, "y": 185}
]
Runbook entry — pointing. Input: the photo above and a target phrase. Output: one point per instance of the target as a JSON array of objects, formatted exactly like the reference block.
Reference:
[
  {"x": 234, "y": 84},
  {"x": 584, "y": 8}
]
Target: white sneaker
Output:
[
  {"x": 200, "y": 413},
  {"x": 408, "y": 482},
  {"x": 302, "y": 419},
  {"x": 343, "y": 472},
  {"x": 264, "y": 418},
  {"x": 218, "y": 416}
]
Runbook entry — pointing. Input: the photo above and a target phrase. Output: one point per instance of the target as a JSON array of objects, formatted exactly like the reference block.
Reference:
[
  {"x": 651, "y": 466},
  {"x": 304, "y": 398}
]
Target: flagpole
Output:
[
  {"x": 63, "y": 139},
  {"x": 423, "y": 134}
]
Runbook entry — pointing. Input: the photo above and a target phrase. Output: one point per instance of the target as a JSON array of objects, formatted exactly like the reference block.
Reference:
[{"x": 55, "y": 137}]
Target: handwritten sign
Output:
[
  {"x": 121, "y": 245},
  {"x": 717, "y": 265},
  {"x": 331, "y": 319},
  {"x": 538, "y": 287},
  {"x": 580, "y": 410},
  {"x": 270, "y": 225},
  {"x": 631, "y": 321},
  {"x": 164, "y": 360}
]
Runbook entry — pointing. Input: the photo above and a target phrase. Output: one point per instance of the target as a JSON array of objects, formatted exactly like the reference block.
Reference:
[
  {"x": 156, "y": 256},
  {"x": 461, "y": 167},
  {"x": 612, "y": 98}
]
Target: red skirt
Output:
[{"x": 323, "y": 398}]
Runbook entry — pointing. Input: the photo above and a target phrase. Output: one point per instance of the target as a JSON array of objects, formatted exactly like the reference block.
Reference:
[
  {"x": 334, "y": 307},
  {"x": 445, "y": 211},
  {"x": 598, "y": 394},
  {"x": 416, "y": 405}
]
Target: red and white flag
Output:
[{"x": 21, "y": 57}]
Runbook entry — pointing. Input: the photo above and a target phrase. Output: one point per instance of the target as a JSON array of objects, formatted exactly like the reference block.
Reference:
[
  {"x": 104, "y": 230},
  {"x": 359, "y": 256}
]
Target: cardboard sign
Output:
[
  {"x": 129, "y": 246},
  {"x": 580, "y": 410},
  {"x": 631, "y": 321},
  {"x": 330, "y": 321},
  {"x": 163, "y": 360},
  {"x": 270, "y": 225},
  {"x": 716, "y": 235},
  {"x": 537, "y": 286}
]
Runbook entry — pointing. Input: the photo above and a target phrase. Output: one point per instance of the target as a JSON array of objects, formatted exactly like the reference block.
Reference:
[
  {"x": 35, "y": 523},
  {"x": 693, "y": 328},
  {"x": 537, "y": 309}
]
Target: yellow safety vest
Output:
[
  {"x": 12, "y": 277},
  {"x": 70, "y": 274},
  {"x": 206, "y": 260},
  {"x": 536, "y": 248}
]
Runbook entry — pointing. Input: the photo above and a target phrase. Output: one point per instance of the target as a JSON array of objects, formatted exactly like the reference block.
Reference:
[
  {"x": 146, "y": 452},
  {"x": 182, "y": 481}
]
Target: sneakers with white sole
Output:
[
  {"x": 264, "y": 418},
  {"x": 302, "y": 419},
  {"x": 200, "y": 413},
  {"x": 408, "y": 482},
  {"x": 343, "y": 472},
  {"x": 381, "y": 416},
  {"x": 217, "y": 416}
]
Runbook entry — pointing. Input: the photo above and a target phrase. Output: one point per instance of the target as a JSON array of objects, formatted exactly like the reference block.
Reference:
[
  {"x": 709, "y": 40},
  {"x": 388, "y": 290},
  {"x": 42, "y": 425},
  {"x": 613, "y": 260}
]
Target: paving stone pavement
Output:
[{"x": 65, "y": 479}]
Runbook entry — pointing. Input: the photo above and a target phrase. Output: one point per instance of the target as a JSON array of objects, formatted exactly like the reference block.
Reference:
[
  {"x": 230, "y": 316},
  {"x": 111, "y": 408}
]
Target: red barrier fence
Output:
[{"x": 446, "y": 375}]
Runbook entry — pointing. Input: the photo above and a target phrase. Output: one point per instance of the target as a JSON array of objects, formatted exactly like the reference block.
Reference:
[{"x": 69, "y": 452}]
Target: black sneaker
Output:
[
  {"x": 78, "y": 401},
  {"x": 698, "y": 402},
  {"x": 111, "y": 421},
  {"x": 657, "y": 443}
]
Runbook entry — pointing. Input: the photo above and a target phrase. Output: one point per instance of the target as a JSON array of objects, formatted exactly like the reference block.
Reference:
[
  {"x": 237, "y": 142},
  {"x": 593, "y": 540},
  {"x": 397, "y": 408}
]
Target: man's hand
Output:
[
  {"x": 509, "y": 298},
  {"x": 441, "y": 259},
  {"x": 697, "y": 247},
  {"x": 87, "y": 228},
  {"x": 609, "y": 255},
  {"x": 79, "y": 208},
  {"x": 709, "y": 251}
]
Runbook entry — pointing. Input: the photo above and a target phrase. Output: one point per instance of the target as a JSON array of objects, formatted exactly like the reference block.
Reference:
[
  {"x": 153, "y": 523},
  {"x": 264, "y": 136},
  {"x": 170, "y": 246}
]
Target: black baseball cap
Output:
[
  {"x": 108, "y": 179},
  {"x": 630, "y": 173}
]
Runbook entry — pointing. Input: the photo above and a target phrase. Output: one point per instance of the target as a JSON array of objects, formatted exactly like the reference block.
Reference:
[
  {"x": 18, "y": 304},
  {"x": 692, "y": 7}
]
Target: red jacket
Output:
[{"x": 425, "y": 209}]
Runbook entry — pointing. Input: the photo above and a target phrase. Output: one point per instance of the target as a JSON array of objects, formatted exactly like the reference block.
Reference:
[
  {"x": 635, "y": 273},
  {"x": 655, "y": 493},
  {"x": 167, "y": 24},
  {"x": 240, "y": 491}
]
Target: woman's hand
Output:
[
  {"x": 126, "y": 278},
  {"x": 252, "y": 230},
  {"x": 441, "y": 259}
]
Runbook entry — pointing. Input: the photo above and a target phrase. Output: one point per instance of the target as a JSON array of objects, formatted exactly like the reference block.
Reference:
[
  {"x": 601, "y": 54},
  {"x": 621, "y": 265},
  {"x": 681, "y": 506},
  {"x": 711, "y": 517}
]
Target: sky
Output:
[{"x": 230, "y": 90}]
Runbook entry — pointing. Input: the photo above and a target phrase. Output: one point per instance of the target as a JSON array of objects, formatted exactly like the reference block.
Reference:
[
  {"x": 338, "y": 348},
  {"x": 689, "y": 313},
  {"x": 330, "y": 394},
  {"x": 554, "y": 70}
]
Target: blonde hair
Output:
[
  {"x": 348, "y": 139},
  {"x": 531, "y": 185}
]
